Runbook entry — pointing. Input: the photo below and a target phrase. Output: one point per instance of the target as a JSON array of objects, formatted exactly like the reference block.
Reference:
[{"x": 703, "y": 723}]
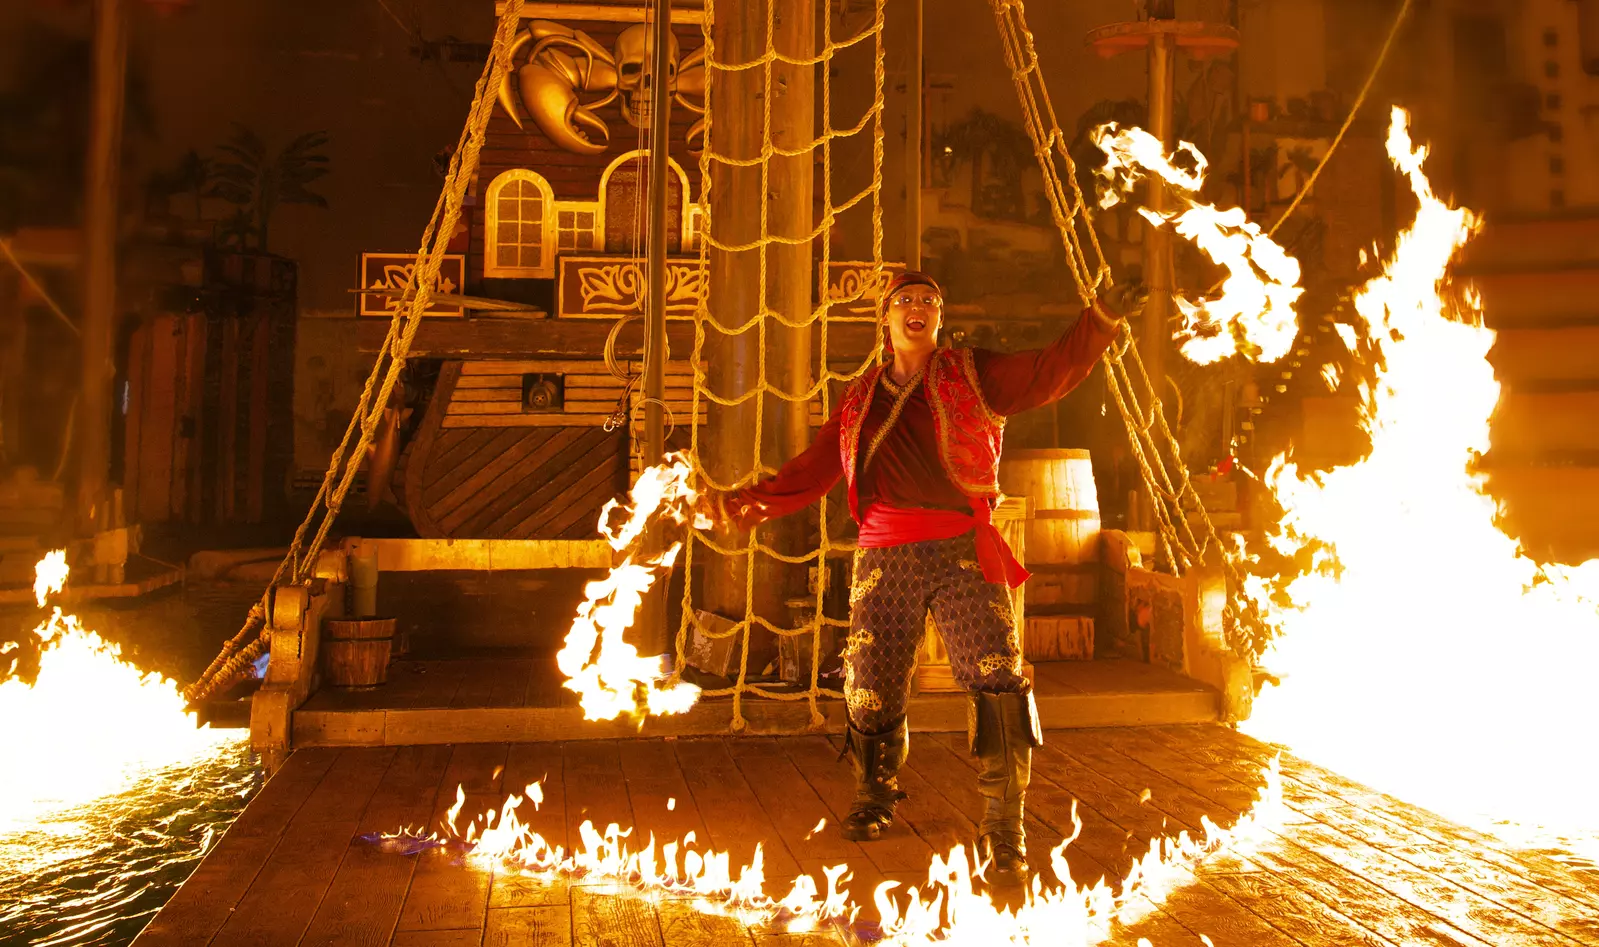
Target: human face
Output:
[{"x": 915, "y": 314}]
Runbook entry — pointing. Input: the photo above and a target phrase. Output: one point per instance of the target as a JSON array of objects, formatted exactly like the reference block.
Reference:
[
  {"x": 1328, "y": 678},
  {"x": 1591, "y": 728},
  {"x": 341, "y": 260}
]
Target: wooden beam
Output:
[
  {"x": 487, "y": 339},
  {"x": 566, "y": 12},
  {"x": 422, "y": 555}
]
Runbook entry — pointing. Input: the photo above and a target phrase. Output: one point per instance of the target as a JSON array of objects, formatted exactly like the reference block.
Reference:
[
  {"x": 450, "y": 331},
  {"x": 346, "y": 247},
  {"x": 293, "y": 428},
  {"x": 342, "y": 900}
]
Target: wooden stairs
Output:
[{"x": 1539, "y": 278}]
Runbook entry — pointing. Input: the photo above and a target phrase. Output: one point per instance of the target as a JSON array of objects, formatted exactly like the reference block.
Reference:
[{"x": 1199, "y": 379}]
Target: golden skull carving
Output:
[{"x": 565, "y": 63}]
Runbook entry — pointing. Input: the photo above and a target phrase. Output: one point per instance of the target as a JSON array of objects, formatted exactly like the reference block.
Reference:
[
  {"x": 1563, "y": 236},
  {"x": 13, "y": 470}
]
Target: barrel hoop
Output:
[
  {"x": 1066, "y": 514},
  {"x": 332, "y": 638}
]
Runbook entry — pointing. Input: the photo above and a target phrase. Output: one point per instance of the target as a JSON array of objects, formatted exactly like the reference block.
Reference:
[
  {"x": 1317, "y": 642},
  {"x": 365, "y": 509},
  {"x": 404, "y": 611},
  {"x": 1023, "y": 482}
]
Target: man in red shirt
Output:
[{"x": 918, "y": 440}]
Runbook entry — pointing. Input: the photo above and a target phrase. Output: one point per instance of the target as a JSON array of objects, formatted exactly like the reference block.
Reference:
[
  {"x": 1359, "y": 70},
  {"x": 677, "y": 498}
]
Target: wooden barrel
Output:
[
  {"x": 355, "y": 651},
  {"x": 1063, "y": 541}
]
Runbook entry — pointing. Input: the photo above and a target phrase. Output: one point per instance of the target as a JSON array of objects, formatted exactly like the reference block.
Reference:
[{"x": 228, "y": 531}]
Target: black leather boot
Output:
[
  {"x": 1003, "y": 729},
  {"x": 877, "y": 758}
]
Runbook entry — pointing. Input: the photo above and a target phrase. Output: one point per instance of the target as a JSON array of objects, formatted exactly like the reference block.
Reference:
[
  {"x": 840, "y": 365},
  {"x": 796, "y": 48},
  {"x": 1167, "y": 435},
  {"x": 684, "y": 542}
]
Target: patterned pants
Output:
[{"x": 895, "y": 588}]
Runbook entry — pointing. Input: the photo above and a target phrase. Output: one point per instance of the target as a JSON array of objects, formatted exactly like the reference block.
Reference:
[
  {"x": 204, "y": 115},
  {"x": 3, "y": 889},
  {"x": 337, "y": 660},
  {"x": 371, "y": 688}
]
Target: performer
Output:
[{"x": 918, "y": 439}]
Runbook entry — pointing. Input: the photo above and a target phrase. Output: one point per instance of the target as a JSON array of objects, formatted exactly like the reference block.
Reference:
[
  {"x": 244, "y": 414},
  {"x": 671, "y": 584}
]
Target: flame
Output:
[
  {"x": 1423, "y": 653},
  {"x": 49, "y": 576},
  {"x": 1254, "y": 316},
  {"x": 90, "y": 724},
  {"x": 950, "y": 910},
  {"x": 609, "y": 675}
]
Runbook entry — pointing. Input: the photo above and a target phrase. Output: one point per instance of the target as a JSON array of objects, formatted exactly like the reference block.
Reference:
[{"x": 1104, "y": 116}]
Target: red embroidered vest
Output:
[{"x": 970, "y": 434}]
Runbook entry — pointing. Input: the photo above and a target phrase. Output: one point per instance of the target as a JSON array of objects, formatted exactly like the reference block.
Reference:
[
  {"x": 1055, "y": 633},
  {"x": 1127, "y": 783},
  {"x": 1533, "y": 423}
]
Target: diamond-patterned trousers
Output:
[{"x": 895, "y": 589}]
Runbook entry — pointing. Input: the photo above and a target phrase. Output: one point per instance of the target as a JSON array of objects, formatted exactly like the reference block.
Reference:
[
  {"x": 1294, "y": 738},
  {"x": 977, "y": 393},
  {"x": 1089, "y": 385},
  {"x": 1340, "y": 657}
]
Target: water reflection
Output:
[{"x": 97, "y": 873}]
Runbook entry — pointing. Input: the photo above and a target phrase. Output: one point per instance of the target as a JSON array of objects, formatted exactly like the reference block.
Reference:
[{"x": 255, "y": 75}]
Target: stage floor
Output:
[
  {"x": 1348, "y": 866},
  {"x": 477, "y": 700}
]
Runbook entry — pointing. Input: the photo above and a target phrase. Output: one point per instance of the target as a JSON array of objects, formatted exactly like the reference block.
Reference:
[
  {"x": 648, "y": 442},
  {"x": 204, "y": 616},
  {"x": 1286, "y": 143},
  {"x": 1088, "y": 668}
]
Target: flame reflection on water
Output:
[{"x": 93, "y": 875}]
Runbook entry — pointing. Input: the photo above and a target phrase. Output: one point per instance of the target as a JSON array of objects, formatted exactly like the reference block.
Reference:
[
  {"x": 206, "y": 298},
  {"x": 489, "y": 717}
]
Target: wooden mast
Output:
[
  {"x": 100, "y": 264},
  {"x": 652, "y": 630},
  {"x": 741, "y": 102}
]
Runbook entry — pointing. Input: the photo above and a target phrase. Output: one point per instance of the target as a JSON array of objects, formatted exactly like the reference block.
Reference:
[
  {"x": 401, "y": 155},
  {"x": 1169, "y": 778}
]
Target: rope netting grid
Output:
[
  {"x": 299, "y": 565},
  {"x": 820, "y": 315},
  {"x": 1159, "y": 458}
]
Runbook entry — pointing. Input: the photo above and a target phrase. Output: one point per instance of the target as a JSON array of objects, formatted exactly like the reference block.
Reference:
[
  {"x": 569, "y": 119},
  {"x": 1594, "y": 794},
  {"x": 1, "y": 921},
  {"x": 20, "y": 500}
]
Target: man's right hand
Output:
[{"x": 727, "y": 508}]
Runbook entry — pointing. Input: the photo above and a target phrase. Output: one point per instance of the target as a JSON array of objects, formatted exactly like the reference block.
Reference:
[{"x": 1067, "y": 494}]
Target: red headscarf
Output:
[{"x": 907, "y": 278}]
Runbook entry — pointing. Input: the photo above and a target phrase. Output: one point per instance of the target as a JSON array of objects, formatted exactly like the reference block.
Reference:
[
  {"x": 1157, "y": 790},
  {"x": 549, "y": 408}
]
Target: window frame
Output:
[{"x": 491, "y": 228}]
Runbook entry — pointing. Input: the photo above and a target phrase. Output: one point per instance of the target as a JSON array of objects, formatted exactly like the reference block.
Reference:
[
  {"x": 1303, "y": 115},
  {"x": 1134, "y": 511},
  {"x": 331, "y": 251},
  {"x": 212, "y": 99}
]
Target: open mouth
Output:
[{"x": 915, "y": 325}]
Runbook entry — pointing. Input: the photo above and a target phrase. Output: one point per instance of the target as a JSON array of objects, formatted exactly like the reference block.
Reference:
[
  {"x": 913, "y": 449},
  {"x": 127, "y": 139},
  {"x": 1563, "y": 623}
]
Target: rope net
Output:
[{"x": 717, "y": 319}]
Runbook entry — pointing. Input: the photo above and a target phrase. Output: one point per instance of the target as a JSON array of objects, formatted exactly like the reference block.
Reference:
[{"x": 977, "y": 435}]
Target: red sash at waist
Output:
[{"x": 884, "y": 525}]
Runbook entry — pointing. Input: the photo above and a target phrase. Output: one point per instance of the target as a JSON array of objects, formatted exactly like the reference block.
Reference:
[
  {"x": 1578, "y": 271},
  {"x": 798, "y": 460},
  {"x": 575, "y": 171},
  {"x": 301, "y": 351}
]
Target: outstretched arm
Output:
[
  {"x": 799, "y": 483},
  {"x": 1014, "y": 382}
]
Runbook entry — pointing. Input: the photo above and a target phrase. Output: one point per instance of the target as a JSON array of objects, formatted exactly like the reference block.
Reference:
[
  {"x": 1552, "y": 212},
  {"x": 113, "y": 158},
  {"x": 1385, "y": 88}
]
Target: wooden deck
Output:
[
  {"x": 1349, "y": 866},
  {"x": 485, "y": 700}
]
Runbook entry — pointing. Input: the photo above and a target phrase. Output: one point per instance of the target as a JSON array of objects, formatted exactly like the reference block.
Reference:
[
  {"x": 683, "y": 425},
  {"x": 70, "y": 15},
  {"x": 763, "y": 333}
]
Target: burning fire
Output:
[
  {"x": 91, "y": 723},
  {"x": 606, "y": 671},
  {"x": 1254, "y": 316},
  {"x": 951, "y": 909},
  {"x": 1423, "y": 653}
]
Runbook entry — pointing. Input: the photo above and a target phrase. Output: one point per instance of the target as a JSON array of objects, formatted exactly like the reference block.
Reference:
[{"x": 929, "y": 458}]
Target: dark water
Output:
[{"x": 97, "y": 874}]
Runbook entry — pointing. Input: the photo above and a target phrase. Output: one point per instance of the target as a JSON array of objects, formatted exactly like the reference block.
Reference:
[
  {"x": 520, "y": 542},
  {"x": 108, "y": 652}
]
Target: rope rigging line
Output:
[
  {"x": 37, "y": 287},
  {"x": 1165, "y": 476},
  {"x": 299, "y": 565}
]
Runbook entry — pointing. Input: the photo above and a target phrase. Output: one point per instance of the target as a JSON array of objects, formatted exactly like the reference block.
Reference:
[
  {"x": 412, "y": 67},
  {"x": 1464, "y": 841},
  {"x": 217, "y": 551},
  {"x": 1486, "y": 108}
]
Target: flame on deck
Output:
[
  {"x": 90, "y": 724},
  {"x": 1254, "y": 316},
  {"x": 953, "y": 908},
  {"x": 609, "y": 675},
  {"x": 1423, "y": 653}
]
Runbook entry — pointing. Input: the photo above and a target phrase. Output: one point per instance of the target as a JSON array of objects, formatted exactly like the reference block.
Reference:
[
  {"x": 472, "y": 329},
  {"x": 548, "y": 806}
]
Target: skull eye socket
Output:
[{"x": 630, "y": 68}]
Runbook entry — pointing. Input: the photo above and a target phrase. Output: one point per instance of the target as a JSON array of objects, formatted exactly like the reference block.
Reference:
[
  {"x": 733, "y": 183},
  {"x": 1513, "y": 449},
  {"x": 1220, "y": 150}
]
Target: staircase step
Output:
[
  {"x": 1509, "y": 241},
  {"x": 1552, "y": 510},
  {"x": 1531, "y": 357},
  {"x": 1544, "y": 423},
  {"x": 1532, "y": 297}
]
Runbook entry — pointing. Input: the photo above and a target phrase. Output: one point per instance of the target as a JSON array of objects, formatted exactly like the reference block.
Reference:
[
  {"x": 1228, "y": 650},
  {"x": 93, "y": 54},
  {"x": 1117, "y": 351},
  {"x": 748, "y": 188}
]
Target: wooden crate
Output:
[{"x": 1059, "y": 638}]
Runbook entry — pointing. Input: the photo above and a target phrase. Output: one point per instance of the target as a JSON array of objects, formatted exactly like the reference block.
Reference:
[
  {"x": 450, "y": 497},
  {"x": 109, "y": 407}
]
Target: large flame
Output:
[
  {"x": 609, "y": 675},
  {"x": 90, "y": 723},
  {"x": 952, "y": 909},
  {"x": 1254, "y": 316},
  {"x": 1424, "y": 654}
]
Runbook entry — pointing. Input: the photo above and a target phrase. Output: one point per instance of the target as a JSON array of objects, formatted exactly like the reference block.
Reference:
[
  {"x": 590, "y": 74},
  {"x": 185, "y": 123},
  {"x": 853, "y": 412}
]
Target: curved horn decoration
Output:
[
  {"x": 552, "y": 101},
  {"x": 507, "y": 95}
]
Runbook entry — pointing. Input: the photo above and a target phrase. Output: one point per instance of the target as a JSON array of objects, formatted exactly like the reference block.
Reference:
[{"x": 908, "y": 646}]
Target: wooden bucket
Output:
[
  {"x": 355, "y": 651},
  {"x": 1063, "y": 540}
]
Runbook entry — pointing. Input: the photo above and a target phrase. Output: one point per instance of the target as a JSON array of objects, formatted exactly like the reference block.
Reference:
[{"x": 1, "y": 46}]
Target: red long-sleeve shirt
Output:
[{"x": 907, "y": 471}]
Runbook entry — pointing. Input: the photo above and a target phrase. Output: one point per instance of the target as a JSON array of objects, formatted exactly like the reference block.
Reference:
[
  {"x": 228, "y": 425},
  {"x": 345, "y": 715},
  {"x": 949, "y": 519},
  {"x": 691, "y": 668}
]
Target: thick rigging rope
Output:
[{"x": 1159, "y": 458}]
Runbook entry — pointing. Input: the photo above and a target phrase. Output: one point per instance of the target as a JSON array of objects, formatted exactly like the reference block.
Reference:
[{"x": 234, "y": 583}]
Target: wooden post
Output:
[
  {"x": 13, "y": 364},
  {"x": 650, "y": 631},
  {"x": 1154, "y": 339},
  {"x": 100, "y": 271},
  {"x": 913, "y": 144},
  {"x": 734, "y": 360},
  {"x": 793, "y": 277}
]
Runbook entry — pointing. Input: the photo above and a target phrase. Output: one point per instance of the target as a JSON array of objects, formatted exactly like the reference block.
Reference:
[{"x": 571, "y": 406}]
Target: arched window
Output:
[
  {"x": 518, "y": 238},
  {"x": 624, "y": 209}
]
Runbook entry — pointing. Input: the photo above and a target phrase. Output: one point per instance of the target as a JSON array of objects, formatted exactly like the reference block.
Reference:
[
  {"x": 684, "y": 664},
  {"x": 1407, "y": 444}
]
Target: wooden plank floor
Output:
[
  {"x": 1348, "y": 866},
  {"x": 481, "y": 700}
]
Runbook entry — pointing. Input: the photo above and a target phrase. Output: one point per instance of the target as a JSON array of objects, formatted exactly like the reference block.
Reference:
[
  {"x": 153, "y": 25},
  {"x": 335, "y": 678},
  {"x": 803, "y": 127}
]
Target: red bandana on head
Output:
[{"x": 907, "y": 278}]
